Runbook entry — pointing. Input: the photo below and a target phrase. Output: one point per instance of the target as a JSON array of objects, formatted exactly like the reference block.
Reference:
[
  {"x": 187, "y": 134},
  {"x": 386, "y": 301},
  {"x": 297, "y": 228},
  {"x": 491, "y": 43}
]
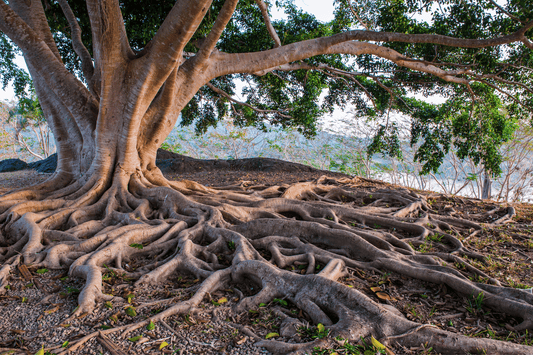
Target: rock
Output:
[
  {"x": 289, "y": 327},
  {"x": 169, "y": 162},
  {"x": 12, "y": 165},
  {"x": 47, "y": 165}
]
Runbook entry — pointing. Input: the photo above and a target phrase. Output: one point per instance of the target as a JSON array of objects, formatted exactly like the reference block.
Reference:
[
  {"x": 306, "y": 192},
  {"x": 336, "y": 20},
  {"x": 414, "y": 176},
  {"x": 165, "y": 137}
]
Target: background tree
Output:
[
  {"x": 29, "y": 129},
  {"x": 142, "y": 65}
]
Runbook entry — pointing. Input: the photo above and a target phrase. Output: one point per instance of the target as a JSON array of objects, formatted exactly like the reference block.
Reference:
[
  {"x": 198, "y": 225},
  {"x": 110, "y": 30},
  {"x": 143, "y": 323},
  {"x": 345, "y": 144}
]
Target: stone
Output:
[
  {"x": 12, "y": 165},
  {"x": 47, "y": 165}
]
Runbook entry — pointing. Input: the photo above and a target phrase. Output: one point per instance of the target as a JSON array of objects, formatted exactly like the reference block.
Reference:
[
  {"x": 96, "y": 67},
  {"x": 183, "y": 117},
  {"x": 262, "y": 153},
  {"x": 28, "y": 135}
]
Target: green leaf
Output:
[
  {"x": 162, "y": 345},
  {"x": 41, "y": 351},
  {"x": 108, "y": 305},
  {"x": 150, "y": 326},
  {"x": 280, "y": 301},
  {"x": 42, "y": 271},
  {"x": 136, "y": 245},
  {"x": 130, "y": 311},
  {"x": 105, "y": 326},
  {"x": 134, "y": 339},
  {"x": 130, "y": 297},
  {"x": 320, "y": 327},
  {"x": 271, "y": 335},
  {"x": 377, "y": 344},
  {"x": 65, "y": 344}
]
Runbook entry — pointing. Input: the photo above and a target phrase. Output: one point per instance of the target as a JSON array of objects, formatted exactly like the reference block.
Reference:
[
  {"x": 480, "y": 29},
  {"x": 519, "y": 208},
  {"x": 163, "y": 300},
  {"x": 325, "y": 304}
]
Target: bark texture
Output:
[{"x": 108, "y": 195}]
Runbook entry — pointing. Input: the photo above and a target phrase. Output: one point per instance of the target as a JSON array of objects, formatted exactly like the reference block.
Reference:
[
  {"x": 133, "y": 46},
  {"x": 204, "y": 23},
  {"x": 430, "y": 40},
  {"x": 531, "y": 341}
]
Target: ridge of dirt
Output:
[{"x": 34, "y": 309}]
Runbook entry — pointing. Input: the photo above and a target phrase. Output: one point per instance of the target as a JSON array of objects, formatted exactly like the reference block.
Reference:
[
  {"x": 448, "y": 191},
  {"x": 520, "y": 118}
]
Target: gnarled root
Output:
[{"x": 233, "y": 236}]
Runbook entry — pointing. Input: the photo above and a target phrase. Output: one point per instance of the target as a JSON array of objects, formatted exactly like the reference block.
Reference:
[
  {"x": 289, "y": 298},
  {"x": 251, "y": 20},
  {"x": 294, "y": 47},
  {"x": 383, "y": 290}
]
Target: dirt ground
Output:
[{"x": 35, "y": 308}]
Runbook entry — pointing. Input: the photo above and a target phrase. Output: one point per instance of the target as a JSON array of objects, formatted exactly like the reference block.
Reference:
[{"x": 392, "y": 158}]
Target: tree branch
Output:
[
  {"x": 242, "y": 65},
  {"x": 340, "y": 44},
  {"x": 178, "y": 28},
  {"x": 165, "y": 51},
  {"x": 356, "y": 14},
  {"x": 506, "y": 12},
  {"x": 32, "y": 13},
  {"x": 266, "y": 18},
  {"x": 227, "y": 96},
  {"x": 209, "y": 43},
  {"x": 527, "y": 43},
  {"x": 48, "y": 66},
  {"x": 495, "y": 87},
  {"x": 110, "y": 42},
  {"x": 79, "y": 47}
]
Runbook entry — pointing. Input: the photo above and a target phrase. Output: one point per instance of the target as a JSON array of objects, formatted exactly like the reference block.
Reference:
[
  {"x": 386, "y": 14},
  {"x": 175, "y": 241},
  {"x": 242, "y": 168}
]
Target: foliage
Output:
[{"x": 476, "y": 120}]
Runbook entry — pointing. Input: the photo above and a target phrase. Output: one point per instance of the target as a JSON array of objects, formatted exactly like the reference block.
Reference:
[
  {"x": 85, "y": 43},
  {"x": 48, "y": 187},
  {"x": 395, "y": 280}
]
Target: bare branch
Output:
[
  {"x": 77, "y": 44},
  {"x": 209, "y": 43},
  {"x": 22, "y": 142},
  {"x": 268, "y": 24}
]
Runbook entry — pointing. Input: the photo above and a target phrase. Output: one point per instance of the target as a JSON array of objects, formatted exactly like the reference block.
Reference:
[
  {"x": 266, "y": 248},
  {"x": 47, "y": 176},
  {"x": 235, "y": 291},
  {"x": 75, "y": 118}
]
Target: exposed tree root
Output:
[{"x": 225, "y": 236}]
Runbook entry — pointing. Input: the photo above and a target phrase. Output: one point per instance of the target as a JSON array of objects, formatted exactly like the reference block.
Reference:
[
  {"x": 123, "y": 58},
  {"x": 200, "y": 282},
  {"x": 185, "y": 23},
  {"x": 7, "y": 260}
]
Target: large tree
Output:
[{"x": 135, "y": 67}]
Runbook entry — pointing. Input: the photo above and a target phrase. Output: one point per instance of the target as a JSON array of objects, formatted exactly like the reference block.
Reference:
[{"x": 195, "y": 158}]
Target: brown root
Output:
[{"x": 227, "y": 237}]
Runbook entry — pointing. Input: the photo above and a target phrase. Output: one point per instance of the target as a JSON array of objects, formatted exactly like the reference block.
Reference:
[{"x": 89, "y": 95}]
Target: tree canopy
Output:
[{"x": 423, "y": 49}]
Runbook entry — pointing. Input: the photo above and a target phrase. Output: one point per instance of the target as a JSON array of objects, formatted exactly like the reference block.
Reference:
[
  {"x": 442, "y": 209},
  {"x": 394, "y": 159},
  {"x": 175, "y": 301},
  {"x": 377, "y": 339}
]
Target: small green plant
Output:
[
  {"x": 72, "y": 290},
  {"x": 412, "y": 310},
  {"x": 231, "y": 245},
  {"x": 519, "y": 285},
  {"x": 475, "y": 303},
  {"x": 280, "y": 301},
  {"x": 435, "y": 237},
  {"x": 432, "y": 312},
  {"x": 318, "y": 332}
]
